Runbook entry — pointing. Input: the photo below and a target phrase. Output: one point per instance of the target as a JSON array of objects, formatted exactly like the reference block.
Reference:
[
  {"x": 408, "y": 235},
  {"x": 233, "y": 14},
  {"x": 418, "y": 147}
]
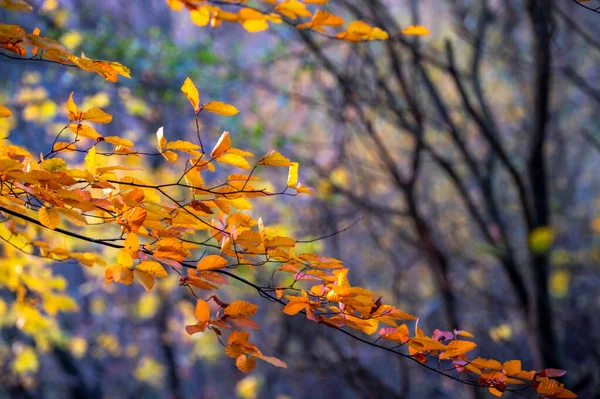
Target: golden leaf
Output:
[
  {"x": 96, "y": 115},
  {"x": 90, "y": 160},
  {"x": 191, "y": 92},
  {"x": 292, "y": 180},
  {"x": 222, "y": 145},
  {"x": 274, "y": 158},
  {"x": 49, "y": 217},
  {"x": 153, "y": 268},
  {"x": 220, "y": 108},
  {"x": 145, "y": 279},
  {"x": 235, "y": 160}
]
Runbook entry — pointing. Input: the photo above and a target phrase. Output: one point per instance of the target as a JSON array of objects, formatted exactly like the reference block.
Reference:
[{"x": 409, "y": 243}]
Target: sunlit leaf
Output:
[
  {"x": 49, "y": 217},
  {"x": 220, "y": 108},
  {"x": 191, "y": 92}
]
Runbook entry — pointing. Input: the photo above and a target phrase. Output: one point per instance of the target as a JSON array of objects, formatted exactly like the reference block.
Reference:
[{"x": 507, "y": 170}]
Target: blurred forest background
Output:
[{"x": 469, "y": 156}]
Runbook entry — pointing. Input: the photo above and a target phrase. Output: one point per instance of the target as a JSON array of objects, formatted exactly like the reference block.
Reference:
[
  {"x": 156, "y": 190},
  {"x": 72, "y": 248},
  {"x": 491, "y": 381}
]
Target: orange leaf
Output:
[
  {"x": 245, "y": 364},
  {"x": 211, "y": 262},
  {"x": 202, "y": 311},
  {"x": 241, "y": 309}
]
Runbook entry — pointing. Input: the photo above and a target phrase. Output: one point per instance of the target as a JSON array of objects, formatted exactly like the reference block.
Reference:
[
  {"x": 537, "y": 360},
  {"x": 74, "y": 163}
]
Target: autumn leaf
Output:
[
  {"x": 49, "y": 217},
  {"x": 296, "y": 305},
  {"x": 292, "y": 180},
  {"x": 202, "y": 311},
  {"x": 191, "y": 92},
  {"x": 235, "y": 160},
  {"x": 426, "y": 344},
  {"x": 245, "y": 364},
  {"x": 222, "y": 146},
  {"x": 153, "y": 268},
  {"x": 90, "y": 160},
  {"x": 211, "y": 262},
  {"x": 220, "y": 108},
  {"x": 274, "y": 158},
  {"x": 96, "y": 115},
  {"x": 241, "y": 309},
  {"x": 456, "y": 348},
  {"x": 145, "y": 279}
]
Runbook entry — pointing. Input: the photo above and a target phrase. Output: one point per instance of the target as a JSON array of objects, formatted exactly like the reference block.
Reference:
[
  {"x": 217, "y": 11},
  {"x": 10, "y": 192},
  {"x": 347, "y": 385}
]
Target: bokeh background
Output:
[{"x": 438, "y": 145}]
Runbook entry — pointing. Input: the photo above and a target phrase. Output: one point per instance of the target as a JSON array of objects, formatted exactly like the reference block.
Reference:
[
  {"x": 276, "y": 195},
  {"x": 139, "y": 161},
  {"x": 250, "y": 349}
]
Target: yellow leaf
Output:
[
  {"x": 292, "y": 180},
  {"x": 293, "y": 9},
  {"x": 160, "y": 137},
  {"x": 153, "y": 268},
  {"x": 118, "y": 141},
  {"x": 220, "y": 108},
  {"x": 235, "y": 160},
  {"x": 96, "y": 115},
  {"x": 124, "y": 258},
  {"x": 54, "y": 165},
  {"x": 255, "y": 25},
  {"x": 146, "y": 280},
  {"x": 222, "y": 145},
  {"x": 184, "y": 146},
  {"x": 202, "y": 311},
  {"x": 274, "y": 158},
  {"x": 74, "y": 113},
  {"x": 415, "y": 30},
  {"x": 211, "y": 262},
  {"x": 132, "y": 242},
  {"x": 4, "y": 112},
  {"x": 191, "y": 92},
  {"x": 85, "y": 131},
  {"x": 90, "y": 160},
  {"x": 170, "y": 156},
  {"x": 49, "y": 217}
]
